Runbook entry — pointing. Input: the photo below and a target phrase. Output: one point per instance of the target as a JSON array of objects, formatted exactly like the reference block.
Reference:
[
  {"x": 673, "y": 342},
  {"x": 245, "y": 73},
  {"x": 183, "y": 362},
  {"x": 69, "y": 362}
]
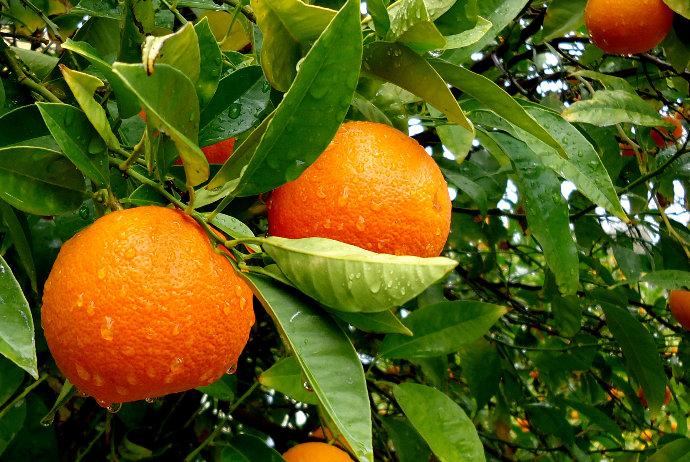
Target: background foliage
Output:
[{"x": 535, "y": 344}]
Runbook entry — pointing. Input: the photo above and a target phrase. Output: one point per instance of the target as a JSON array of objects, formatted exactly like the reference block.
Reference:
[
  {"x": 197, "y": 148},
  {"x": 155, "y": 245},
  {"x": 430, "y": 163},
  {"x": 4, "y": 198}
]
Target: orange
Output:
[
  {"x": 318, "y": 433},
  {"x": 679, "y": 302},
  {"x": 316, "y": 452},
  {"x": 139, "y": 305},
  {"x": 574, "y": 415},
  {"x": 373, "y": 187},
  {"x": 646, "y": 435},
  {"x": 627, "y": 27},
  {"x": 626, "y": 150},
  {"x": 677, "y": 133},
  {"x": 667, "y": 398}
]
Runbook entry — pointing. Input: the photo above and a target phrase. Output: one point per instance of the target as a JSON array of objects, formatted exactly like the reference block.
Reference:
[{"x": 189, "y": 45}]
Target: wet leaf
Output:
[
  {"x": 348, "y": 278},
  {"x": 11, "y": 424},
  {"x": 468, "y": 37},
  {"x": 397, "y": 64},
  {"x": 409, "y": 444},
  {"x": 379, "y": 14},
  {"x": 286, "y": 377},
  {"x": 669, "y": 279},
  {"x": 40, "y": 64},
  {"x": 312, "y": 110},
  {"x": 67, "y": 392},
  {"x": 179, "y": 50},
  {"x": 246, "y": 448},
  {"x": 441, "y": 422},
  {"x": 628, "y": 262},
  {"x": 12, "y": 378},
  {"x": 16, "y": 323},
  {"x": 210, "y": 66},
  {"x": 546, "y": 210},
  {"x": 78, "y": 140},
  {"x": 610, "y": 107},
  {"x": 563, "y": 16},
  {"x": 640, "y": 354},
  {"x": 224, "y": 389},
  {"x": 411, "y": 25},
  {"x": 469, "y": 187},
  {"x": 40, "y": 181},
  {"x": 382, "y": 322},
  {"x": 320, "y": 347},
  {"x": 289, "y": 27},
  {"x": 442, "y": 328},
  {"x": 171, "y": 105},
  {"x": 20, "y": 239},
  {"x": 234, "y": 228}
]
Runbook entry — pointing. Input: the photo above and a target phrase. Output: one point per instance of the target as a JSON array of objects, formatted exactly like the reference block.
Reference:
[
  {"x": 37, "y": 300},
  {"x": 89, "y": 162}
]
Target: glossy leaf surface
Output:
[{"x": 286, "y": 377}]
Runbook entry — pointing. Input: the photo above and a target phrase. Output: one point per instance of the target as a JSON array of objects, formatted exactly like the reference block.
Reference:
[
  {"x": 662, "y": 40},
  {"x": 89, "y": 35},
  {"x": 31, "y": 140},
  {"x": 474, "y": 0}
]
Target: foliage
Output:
[{"x": 528, "y": 338}]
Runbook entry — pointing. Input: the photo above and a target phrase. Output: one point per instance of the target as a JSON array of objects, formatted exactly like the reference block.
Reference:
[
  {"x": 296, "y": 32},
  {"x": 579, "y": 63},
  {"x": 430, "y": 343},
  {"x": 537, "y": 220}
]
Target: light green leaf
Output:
[
  {"x": 67, "y": 392},
  {"x": 223, "y": 389},
  {"x": 234, "y": 228},
  {"x": 411, "y": 25},
  {"x": 179, "y": 50},
  {"x": 563, "y": 16},
  {"x": 289, "y": 27},
  {"x": 286, "y": 377},
  {"x": 16, "y": 323},
  {"x": 379, "y": 14},
  {"x": 440, "y": 329},
  {"x": 40, "y": 181},
  {"x": 312, "y": 110},
  {"x": 409, "y": 444},
  {"x": 610, "y": 82},
  {"x": 348, "y": 278},
  {"x": 470, "y": 188},
  {"x": 397, "y": 64},
  {"x": 383, "y": 322},
  {"x": 468, "y": 37},
  {"x": 679, "y": 6},
  {"x": 639, "y": 349},
  {"x": 78, "y": 140},
  {"x": 173, "y": 108},
  {"x": 83, "y": 86},
  {"x": 669, "y": 279},
  {"x": 441, "y": 422},
  {"x": 320, "y": 347},
  {"x": 610, "y": 107}
]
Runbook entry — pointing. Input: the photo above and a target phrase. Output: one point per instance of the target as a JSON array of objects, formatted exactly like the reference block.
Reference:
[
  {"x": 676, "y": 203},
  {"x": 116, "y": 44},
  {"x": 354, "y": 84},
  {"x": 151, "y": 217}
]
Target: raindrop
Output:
[
  {"x": 177, "y": 365},
  {"x": 308, "y": 387},
  {"x": 129, "y": 253},
  {"x": 83, "y": 394},
  {"x": 107, "y": 328},
  {"x": 48, "y": 421},
  {"x": 84, "y": 212},
  {"x": 151, "y": 400},
  {"x": 191, "y": 116},
  {"x": 360, "y": 223},
  {"x": 265, "y": 87},
  {"x": 319, "y": 193},
  {"x": 234, "y": 111},
  {"x": 114, "y": 408},
  {"x": 101, "y": 273},
  {"x": 232, "y": 369}
]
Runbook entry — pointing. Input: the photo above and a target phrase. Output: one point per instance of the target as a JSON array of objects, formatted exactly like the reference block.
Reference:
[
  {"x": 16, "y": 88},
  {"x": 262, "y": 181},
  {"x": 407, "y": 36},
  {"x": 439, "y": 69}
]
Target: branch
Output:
[{"x": 24, "y": 79}]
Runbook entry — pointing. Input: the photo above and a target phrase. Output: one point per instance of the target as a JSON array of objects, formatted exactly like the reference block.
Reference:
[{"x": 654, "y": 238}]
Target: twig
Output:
[
  {"x": 246, "y": 11},
  {"x": 53, "y": 27},
  {"x": 24, "y": 79}
]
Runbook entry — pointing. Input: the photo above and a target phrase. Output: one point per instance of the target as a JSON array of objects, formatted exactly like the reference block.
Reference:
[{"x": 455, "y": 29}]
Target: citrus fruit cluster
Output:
[
  {"x": 139, "y": 305},
  {"x": 626, "y": 27},
  {"x": 373, "y": 187}
]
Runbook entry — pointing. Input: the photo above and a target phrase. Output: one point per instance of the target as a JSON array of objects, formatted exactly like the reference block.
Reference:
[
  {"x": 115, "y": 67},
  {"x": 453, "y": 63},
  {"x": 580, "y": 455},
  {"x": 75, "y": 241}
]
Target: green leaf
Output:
[
  {"x": 20, "y": 240},
  {"x": 24, "y": 126},
  {"x": 442, "y": 423},
  {"x": 567, "y": 313},
  {"x": 628, "y": 262},
  {"x": 677, "y": 53},
  {"x": 481, "y": 367},
  {"x": 78, "y": 140},
  {"x": 127, "y": 102},
  {"x": 397, "y": 64},
  {"x": 312, "y": 110},
  {"x": 12, "y": 378},
  {"x": 411, "y": 25},
  {"x": 16, "y": 323},
  {"x": 563, "y": 16},
  {"x": 34, "y": 442},
  {"x": 551, "y": 421},
  {"x": 210, "y": 67},
  {"x": 289, "y": 26},
  {"x": 67, "y": 392},
  {"x": 234, "y": 228},
  {"x": 286, "y": 377},
  {"x": 409, "y": 444},
  {"x": 379, "y": 14},
  {"x": 146, "y": 195},
  {"x": 495, "y": 98},
  {"x": 171, "y": 105},
  {"x": 320, "y": 347},
  {"x": 246, "y": 448},
  {"x": 440, "y": 329},
  {"x": 383, "y": 322},
  {"x": 40, "y": 64},
  {"x": 669, "y": 279},
  {"x": 594, "y": 415},
  {"x": 640, "y": 353},
  {"x": 546, "y": 210},
  {"x": 83, "y": 86},
  {"x": 179, "y": 50},
  {"x": 137, "y": 22},
  {"x": 469, "y": 187},
  {"x": 609, "y": 82},
  {"x": 348, "y": 278},
  {"x": 40, "y": 181},
  {"x": 370, "y": 111},
  {"x": 2, "y": 95},
  {"x": 610, "y": 107},
  {"x": 11, "y": 424},
  {"x": 223, "y": 389},
  {"x": 679, "y": 6},
  {"x": 468, "y": 37},
  {"x": 672, "y": 452}
]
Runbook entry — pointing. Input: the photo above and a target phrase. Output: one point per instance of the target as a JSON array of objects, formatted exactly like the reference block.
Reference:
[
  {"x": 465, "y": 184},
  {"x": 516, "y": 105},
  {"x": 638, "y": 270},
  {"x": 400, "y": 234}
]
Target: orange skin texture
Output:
[
  {"x": 316, "y": 452},
  {"x": 373, "y": 187},
  {"x": 677, "y": 133},
  {"x": 640, "y": 394},
  {"x": 679, "y": 302},
  {"x": 627, "y": 27},
  {"x": 138, "y": 305}
]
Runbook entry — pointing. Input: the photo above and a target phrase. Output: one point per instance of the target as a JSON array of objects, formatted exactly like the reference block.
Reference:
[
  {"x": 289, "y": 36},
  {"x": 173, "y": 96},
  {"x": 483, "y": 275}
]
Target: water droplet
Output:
[
  {"x": 150, "y": 371},
  {"x": 84, "y": 212},
  {"x": 243, "y": 302},
  {"x": 232, "y": 369},
  {"x": 235, "y": 110},
  {"x": 177, "y": 365},
  {"x": 132, "y": 378},
  {"x": 226, "y": 310},
  {"x": 176, "y": 330},
  {"x": 390, "y": 284},
  {"x": 191, "y": 116},
  {"x": 80, "y": 300},
  {"x": 308, "y": 387},
  {"x": 129, "y": 253},
  {"x": 101, "y": 273},
  {"x": 122, "y": 391},
  {"x": 342, "y": 200},
  {"x": 107, "y": 328},
  {"x": 565, "y": 140},
  {"x": 151, "y": 400},
  {"x": 320, "y": 193},
  {"x": 98, "y": 380},
  {"x": 114, "y": 408},
  {"x": 327, "y": 223},
  {"x": 402, "y": 290},
  {"x": 265, "y": 87},
  {"x": 360, "y": 168},
  {"x": 376, "y": 206},
  {"x": 83, "y": 394},
  {"x": 360, "y": 223},
  {"x": 48, "y": 421},
  {"x": 340, "y": 226},
  {"x": 580, "y": 154},
  {"x": 83, "y": 373}
]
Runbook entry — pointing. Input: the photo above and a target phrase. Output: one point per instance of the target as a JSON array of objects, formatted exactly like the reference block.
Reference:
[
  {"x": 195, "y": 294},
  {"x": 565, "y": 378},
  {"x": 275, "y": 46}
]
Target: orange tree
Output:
[{"x": 533, "y": 335}]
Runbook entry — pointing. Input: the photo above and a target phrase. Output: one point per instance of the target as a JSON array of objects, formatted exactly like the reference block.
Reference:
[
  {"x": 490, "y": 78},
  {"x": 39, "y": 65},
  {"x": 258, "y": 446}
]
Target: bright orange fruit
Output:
[
  {"x": 677, "y": 132},
  {"x": 679, "y": 303},
  {"x": 316, "y": 452},
  {"x": 373, "y": 187},
  {"x": 139, "y": 305},
  {"x": 626, "y": 27}
]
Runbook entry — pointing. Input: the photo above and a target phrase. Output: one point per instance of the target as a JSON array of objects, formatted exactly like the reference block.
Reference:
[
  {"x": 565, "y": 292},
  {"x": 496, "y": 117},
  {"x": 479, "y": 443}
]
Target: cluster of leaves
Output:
[{"x": 554, "y": 311}]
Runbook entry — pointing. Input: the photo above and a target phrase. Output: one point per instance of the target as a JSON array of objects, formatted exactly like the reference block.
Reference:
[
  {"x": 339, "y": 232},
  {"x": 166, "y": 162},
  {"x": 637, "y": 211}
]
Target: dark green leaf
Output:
[
  {"x": 594, "y": 415},
  {"x": 11, "y": 424},
  {"x": 379, "y": 14},
  {"x": 669, "y": 279},
  {"x": 67, "y": 392},
  {"x": 286, "y": 377},
  {"x": 20, "y": 240},
  {"x": 550, "y": 420},
  {"x": 223, "y": 389},
  {"x": 11, "y": 377},
  {"x": 408, "y": 443},
  {"x": 383, "y": 322},
  {"x": 40, "y": 64},
  {"x": 211, "y": 64},
  {"x": 563, "y": 16},
  {"x": 567, "y": 313},
  {"x": 672, "y": 452},
  {"x": 25, "y": 127},
  {"x": 628, "y": 262},
  {"x": 146, "y": 195},
  {"x": 469, "y": 187},
  {"x": 481, "y": 367},
  {"x": 246, "y": 448}
]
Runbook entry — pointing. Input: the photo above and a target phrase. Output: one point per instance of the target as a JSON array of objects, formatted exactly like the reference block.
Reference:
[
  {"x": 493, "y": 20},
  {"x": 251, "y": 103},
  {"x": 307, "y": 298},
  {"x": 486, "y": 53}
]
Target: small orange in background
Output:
[
  {"x": 574, "y": 415},
  {"x": 626, "y": 150},
  {"x": 316, "y": 452},
  {"x": 627, "y": 27},
  {"x": 139, "y": 305},
  {"x": 679, "y": 303},
  {"x": 373, "y": 187},
  {"x": 674, "y": 426},
  {"x": 676, "y": 134},
  {"x": 534, "y": 374},
  {"x": 646, "y": 435},
  {"x": 523, "y": 424},
  {"x": 667, "y": 398}
]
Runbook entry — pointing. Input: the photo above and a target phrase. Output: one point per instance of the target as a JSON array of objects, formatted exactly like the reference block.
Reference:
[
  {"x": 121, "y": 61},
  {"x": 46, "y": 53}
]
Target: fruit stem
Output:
[
  {"x": 22, "y": 395},
  {"x": 142, "y": 179},
  {"x": 219, "y": 427}
]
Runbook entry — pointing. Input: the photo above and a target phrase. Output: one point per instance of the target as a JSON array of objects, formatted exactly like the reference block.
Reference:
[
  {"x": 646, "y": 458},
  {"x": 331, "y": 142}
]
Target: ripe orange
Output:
[
  {"x": 373, "y": 187},
  {"x": 667, "y": 398},
  {"x": 677, "y": 133},
  {"x": 679, "y": 302},
  {"x": 646, "y": 435},
  {"x": 316, "y": 452},
  {"x": 626, "y": 27},
  {"x": 139, "y": 305}
]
